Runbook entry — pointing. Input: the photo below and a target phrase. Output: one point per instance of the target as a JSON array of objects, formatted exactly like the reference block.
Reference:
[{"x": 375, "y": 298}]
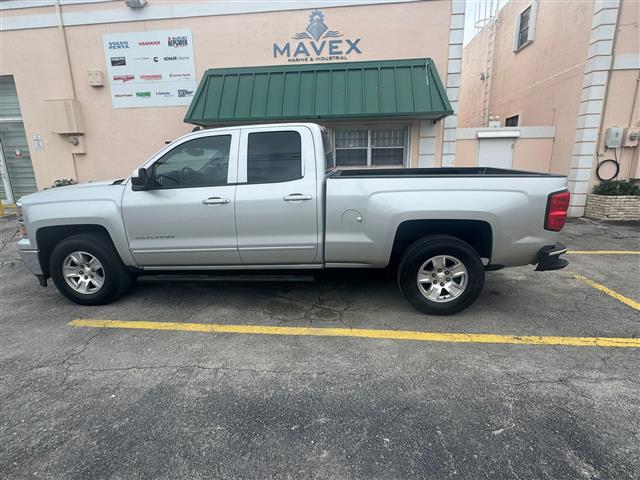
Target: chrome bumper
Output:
[
  {"x": 32, "y": 262},
  {"x": 30, "y": 257}
]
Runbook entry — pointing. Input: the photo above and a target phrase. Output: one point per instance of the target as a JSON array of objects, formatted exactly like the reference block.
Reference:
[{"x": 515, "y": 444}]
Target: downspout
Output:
[
  {"x": 635, "y": 158},
  {"x": 65, "y": 45},
  {"x": 63, "y": 39},
  {"x": 606, "y": 94}
]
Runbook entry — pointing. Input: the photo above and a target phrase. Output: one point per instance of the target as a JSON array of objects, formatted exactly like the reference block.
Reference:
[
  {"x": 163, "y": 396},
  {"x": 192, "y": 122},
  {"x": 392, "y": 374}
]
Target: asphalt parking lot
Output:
[{"x": 90, "y": 402}]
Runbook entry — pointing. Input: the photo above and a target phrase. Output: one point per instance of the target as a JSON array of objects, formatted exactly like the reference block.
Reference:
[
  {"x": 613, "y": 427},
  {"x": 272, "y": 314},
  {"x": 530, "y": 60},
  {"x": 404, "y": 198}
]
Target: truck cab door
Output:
[
  {"x": 276, "y": 197},
  {"x": 186, "y": 216}
]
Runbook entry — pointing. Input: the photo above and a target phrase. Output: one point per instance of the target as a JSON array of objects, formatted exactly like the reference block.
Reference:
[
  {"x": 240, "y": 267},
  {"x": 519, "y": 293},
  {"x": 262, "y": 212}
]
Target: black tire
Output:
[
  {"x": 116, "y": 277},
  {"x": 426, "y": 248}
]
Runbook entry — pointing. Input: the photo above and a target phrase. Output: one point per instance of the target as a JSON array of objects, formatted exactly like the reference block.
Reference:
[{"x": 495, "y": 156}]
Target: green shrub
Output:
[{"x": 617, "y": 187}]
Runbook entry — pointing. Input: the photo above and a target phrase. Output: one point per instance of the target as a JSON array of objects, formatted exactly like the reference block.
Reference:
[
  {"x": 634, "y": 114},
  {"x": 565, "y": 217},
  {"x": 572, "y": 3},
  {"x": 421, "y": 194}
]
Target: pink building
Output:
[
  {"x": 91, "y": 88},
  {"x": 561, "y": 78}
]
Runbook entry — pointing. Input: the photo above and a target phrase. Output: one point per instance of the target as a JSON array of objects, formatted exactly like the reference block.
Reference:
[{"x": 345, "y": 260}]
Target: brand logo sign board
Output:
[
  {"x": 317, "y": 44},
  {"x": 150, "y": 69}
]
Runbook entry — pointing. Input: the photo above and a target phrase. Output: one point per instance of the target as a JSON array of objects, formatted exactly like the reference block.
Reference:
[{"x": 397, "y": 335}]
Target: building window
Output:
[
  {"x": 525, "y": 26},
  {"x": 370, "y": 147},
  {"x": 512, "y": 121}
]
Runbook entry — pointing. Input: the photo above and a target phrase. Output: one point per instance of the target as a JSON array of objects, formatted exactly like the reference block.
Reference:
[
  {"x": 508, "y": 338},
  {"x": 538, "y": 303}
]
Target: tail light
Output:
[{"x": 557, "y": 206}]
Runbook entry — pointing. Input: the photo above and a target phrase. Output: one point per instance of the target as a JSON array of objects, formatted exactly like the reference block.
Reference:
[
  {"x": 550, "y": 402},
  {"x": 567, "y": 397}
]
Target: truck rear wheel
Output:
[
  {"x": 87, "y": 269},
  {"x": 440, "y": 275}
]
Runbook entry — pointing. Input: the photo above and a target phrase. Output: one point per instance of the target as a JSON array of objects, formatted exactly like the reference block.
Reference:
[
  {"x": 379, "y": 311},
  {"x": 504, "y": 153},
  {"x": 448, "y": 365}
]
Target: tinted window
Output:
[
  {"x": 202, "y": 162},
  {"x": 274, "y": 157}
]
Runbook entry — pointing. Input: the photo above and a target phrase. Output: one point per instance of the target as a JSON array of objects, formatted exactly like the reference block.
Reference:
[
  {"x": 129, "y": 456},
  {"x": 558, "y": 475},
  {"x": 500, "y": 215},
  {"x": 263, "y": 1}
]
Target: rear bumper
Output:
[{"x": 548, "y": 258}]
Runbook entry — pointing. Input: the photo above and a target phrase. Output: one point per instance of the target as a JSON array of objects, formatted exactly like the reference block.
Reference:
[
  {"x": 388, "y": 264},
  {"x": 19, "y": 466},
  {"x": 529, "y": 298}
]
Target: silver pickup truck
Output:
[{"x": 261, "y": 198}]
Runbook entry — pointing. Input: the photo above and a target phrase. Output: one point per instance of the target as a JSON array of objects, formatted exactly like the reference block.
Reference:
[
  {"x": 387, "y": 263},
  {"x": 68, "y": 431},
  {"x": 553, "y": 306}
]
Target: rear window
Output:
[{"x": 274, "y": 157}]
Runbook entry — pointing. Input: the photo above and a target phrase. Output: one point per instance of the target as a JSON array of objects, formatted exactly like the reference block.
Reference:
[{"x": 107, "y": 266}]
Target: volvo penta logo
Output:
[
  {"x": 317, "y": 43},
  {"x": 185, "y": 93}
]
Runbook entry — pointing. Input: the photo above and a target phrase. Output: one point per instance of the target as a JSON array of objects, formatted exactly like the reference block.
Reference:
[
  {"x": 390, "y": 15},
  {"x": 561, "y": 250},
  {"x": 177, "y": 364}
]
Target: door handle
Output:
[
  {"x": 296, "y": 197},
  {"x": 216, "y": 201}
]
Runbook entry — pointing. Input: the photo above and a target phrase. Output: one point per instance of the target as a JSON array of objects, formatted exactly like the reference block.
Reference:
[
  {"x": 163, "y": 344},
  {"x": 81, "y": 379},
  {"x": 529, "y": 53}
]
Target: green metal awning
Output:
[{"x": 392, "y": 88}]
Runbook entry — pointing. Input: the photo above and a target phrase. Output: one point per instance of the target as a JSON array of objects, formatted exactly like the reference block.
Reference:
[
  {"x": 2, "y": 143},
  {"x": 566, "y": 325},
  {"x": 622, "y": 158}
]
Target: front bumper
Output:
[
  {"x": 30, "y": 257},
  {"x": 32, "y": 261},
  {"x": 548, "y": 258}
]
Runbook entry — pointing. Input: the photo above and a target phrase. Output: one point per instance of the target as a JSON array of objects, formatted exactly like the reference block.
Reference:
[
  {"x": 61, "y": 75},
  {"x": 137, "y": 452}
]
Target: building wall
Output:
[
  {"x": 117, "y": 140},
  {"x": 622, "y": 103},
  {"x": 579, "y": 74},
  {"x": 531, "y": 150},
  {"x": 541, "y": 82},
  {"x": 472, "y": 88}
]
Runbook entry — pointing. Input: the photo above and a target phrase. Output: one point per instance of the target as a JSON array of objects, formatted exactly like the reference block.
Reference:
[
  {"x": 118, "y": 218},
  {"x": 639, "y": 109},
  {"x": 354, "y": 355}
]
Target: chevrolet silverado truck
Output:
[{"x": 264, "y": 198}]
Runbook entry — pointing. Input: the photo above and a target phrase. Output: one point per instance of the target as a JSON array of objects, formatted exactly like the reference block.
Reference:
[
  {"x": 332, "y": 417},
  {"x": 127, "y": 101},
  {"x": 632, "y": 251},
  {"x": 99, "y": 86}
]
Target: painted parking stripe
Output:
[
  {"x": 608, "y": 291},
  {"x": 603, "y": 252},
  {"x": 363, "y": 333}
]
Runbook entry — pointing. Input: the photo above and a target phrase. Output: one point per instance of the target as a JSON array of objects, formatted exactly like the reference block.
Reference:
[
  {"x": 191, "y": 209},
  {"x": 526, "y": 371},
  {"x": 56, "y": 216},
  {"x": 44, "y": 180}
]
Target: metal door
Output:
[
  {"x": 16, "y": 169},
  {"x": 276, "y": 202},
  {"x": 189, "y": 223},
  {"x": 495, "y": 152}
]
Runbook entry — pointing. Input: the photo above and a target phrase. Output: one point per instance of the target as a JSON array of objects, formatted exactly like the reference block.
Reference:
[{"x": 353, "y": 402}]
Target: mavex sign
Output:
[{"x": 317, "y": 43}]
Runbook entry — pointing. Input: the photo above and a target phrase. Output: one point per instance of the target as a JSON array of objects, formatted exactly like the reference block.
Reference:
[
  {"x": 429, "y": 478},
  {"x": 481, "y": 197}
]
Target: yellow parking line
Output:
[
  {"x": 608, "y": 291},
  {"x": 364, "y": 333},
  {"x": 603, "y": 252}
]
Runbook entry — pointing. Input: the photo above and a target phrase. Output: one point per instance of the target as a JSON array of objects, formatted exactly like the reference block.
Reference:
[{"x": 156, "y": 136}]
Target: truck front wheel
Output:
[
  {"x": 87, "y": 269},
  {"x": 440, "y": 275}
]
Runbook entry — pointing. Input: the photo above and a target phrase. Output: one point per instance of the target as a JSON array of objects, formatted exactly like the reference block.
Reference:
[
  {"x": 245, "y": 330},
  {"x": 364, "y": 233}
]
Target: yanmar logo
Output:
[
  {"x": 317, "y": 43},
  {"x": 123, "y": 78},
  {"x": 149, "y": 43},
  {"x": 151, "y": 77}
]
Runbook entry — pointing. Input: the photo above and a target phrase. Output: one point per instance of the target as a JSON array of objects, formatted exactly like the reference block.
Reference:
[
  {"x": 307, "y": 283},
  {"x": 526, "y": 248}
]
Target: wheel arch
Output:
[
  {"x": 477, "y": 233},
  {"x": 48, "y": 237}
]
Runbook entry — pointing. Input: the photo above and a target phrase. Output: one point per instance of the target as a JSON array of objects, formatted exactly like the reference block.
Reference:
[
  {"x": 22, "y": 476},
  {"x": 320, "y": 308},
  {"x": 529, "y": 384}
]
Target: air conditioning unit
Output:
[{"x": 135, "y": 3}]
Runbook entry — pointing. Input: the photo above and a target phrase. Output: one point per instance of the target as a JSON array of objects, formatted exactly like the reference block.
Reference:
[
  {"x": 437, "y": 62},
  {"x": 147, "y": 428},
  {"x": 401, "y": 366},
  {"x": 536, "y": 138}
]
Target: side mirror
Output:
[{"x": 139, "y": 180}]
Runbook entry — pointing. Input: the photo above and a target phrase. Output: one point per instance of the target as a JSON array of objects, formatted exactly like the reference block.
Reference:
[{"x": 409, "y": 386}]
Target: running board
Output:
[{"x": 227, "y": 278}]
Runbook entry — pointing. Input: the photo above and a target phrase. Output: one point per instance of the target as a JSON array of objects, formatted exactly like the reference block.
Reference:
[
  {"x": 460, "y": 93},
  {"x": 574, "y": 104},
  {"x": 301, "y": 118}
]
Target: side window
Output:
[
  {"x": 202, "y": 162},
  {"x": 274, "y": 157}
]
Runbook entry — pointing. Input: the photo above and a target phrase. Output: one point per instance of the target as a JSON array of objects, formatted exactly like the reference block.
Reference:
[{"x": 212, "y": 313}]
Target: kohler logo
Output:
[{"x": 317, "y": 43}]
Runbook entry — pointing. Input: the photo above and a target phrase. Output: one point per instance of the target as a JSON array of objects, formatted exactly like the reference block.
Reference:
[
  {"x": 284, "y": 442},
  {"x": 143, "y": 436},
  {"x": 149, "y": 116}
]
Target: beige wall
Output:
[
  {"x": 472, "y": 86},
  {"x": 622, "y": 104},
  {"x": 117, "y": 140},
  {"x": 529, "y": 154},
  {"x": 542, "y": 82}
]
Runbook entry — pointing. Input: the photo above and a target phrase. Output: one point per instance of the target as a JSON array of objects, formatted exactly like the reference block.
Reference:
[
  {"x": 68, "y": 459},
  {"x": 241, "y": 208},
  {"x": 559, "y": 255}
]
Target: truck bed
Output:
[
  {"x": 434, "y": 172},
  {"x": 365, "y": 209}
]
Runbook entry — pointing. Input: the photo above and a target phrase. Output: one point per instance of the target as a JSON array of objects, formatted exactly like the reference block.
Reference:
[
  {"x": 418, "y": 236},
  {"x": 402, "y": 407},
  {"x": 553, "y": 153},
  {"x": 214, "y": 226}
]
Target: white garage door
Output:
[{"x": 495, "y": 152}]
